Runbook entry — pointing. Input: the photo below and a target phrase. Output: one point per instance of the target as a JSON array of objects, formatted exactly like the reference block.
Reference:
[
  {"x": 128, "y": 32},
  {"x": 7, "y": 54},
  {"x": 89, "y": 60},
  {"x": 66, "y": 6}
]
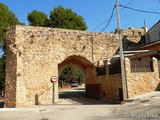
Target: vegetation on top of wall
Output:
[
  {"x": 37, "y": 18},
  {"x": 60, "y": 17},
  {"x": 66, "y": 18}
]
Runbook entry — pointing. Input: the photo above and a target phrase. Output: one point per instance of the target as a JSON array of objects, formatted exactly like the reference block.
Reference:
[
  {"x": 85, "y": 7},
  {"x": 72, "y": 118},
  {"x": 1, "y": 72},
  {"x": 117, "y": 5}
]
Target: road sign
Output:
[{"x": 53, "y": 79}]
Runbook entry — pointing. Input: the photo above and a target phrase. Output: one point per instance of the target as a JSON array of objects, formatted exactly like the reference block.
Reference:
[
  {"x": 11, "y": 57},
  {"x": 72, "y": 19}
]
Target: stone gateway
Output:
[{"x": 35, "y": 54}]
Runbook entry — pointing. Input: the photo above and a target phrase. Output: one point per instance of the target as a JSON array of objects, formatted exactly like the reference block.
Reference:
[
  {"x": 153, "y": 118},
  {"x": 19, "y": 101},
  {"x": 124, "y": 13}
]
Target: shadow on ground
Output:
[{"x": 77, "y": 96}]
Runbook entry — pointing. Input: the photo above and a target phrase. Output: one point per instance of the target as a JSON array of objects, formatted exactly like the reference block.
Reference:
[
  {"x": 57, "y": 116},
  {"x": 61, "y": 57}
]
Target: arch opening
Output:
[{"x": 72, "y": 74}]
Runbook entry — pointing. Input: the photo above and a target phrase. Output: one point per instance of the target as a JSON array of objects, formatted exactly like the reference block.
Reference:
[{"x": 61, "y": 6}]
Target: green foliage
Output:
[
  {"x": 7, "y": 18},
  {"x": 61, "y": 18},
  {"x": 36, "y": 18},
  {"x": 66, "y": 18},
  {"x": 70, "y": 74}
]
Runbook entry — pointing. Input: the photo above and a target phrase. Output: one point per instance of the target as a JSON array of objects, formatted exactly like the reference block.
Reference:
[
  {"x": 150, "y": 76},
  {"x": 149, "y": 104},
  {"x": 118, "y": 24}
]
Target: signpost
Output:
[{"x": 53, "y": 79}]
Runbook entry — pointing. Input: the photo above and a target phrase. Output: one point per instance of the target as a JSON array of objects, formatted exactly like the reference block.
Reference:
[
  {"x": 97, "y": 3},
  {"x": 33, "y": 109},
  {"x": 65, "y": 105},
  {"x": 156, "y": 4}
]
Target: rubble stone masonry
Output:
[
  {"x": 33, "y": 55},
  {"x": 139, "y": 83}
]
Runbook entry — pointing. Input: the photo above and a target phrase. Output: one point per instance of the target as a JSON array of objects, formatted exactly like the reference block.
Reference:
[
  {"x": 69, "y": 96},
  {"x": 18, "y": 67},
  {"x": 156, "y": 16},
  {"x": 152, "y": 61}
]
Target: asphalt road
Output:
[
  {"x": 145, "y": 107},
  {"x": 75, "y": 95}
]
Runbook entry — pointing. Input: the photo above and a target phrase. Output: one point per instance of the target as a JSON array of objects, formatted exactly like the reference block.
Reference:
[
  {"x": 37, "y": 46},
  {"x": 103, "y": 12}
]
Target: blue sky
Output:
[{"x": 94, "y": 12}]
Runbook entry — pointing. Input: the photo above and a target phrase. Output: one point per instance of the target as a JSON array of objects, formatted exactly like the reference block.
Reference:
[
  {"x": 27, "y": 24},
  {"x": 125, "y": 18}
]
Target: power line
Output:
[
  {"x": 138, "y": 10},
  {"x": 102, "y": 30},
  {"x": 109, "y": 19},
  {"x": 113, "y": 16},
  {"x": 100, "y": 25},
  {"x": 126, "y": 5}
]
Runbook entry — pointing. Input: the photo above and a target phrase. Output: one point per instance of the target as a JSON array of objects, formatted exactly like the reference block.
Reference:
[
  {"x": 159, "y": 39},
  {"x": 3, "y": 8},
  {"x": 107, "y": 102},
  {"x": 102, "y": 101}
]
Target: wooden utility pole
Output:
[{"x": 123, "y": 75}]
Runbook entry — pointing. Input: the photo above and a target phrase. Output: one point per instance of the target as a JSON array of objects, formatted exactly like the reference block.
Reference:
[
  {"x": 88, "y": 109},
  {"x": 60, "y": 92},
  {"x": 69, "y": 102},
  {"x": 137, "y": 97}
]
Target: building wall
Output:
[
  {"x": 138, "y": 83},
  {"x": 33, "y": 55},
  {"x": 153, "y": 34},
  {"x": 11, "y": 69},
  {"x": 132, "y": 38},
  {"x": 110, "y": 85},
  {"x": 141, "y": 82}
]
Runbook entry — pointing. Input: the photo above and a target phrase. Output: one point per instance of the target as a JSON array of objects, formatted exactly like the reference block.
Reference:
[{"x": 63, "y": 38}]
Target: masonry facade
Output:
[{"x": 35, "y": 54}]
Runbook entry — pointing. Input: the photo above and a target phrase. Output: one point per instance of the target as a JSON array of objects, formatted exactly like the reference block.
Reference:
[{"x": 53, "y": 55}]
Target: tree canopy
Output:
[
  {"x": 36, "y": 18},
  {"x": 59, "y": 17},
  {"x": 7, "y": 18},
  {"x": 70, "y": 74},
  {"x": 65, "y": 18}
]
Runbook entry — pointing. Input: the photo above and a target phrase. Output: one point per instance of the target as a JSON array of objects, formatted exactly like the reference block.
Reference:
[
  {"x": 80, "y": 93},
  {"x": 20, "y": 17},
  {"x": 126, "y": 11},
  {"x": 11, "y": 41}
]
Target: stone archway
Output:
[
  {"x": 79, "y": 62},
  {"x": 33, "y": 55}
]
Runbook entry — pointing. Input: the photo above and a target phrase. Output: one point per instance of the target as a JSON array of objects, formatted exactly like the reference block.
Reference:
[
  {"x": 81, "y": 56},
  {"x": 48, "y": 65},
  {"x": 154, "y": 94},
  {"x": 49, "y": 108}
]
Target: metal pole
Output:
[{"x": 121, "y": 54}]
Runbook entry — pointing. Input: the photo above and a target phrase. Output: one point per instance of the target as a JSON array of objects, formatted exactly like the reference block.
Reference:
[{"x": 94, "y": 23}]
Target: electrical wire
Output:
[
  {"x": 126, "y": 5},
  {"x": 109, "y": 19},
  {"x": 113, "y": 16},
  {"x": 123, "y": 7},
  {"x": 138, "y": 10}
]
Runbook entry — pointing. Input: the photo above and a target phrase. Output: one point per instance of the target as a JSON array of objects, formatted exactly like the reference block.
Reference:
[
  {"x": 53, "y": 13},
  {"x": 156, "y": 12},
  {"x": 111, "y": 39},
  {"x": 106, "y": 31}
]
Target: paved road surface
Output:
[
  {"x": 75, "y": 95},
  {"x": 145, "y": 107}
]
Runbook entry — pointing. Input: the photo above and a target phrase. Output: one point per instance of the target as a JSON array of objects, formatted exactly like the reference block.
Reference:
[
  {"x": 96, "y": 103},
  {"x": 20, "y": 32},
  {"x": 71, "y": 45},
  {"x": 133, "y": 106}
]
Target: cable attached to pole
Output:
[
  {"x": 113, "y": 16},
  {"x": 109, "y": 19},
  {"x": 138, "y": 10}
]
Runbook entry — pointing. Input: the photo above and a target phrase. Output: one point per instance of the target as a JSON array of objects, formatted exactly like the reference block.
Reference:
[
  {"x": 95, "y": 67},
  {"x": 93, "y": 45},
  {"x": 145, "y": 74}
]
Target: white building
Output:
[{"x": 153, "y": 34}]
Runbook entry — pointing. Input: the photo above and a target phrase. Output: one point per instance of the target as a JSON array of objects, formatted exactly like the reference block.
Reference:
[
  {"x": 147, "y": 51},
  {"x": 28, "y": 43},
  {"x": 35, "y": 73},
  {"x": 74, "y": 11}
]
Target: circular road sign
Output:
[{"x": 53, "y": 79}]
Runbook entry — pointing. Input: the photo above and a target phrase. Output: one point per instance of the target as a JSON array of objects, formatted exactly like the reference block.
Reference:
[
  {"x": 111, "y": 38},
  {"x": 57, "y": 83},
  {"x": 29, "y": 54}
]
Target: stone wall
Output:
[
  {"x": 110, "y": 87},
  {"x": 141, "y": 82},
  {"x": 11, "y": 69},
  {"x": 132, "y": 38},
  {"x": 111, "y": 83},
  {"x": 33, "y": 55},
  {"x": 133, "y": 34}
]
